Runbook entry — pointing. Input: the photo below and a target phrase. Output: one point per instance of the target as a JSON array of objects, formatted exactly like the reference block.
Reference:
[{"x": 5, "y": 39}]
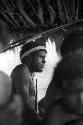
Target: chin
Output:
[{"x": 39, "y": 70}]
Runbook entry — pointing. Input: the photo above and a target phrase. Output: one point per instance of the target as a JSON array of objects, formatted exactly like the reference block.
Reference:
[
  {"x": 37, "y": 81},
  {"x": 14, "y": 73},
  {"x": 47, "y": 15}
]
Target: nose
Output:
[{"x": 44, "y": 61}]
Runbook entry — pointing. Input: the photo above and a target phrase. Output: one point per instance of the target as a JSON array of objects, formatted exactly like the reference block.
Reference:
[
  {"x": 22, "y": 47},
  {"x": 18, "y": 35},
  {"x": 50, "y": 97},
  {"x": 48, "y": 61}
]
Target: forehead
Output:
[
  {"x": 41, "y": 52},
  {"x": 75, "y": 84}
]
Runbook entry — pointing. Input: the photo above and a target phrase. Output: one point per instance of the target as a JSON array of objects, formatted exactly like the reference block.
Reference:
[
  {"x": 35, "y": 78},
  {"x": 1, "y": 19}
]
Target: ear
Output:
[{"x": 29, "y": 59}]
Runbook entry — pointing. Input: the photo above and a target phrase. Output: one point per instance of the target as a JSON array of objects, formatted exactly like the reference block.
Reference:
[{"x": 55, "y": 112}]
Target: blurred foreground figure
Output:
[
  {"x": 32, "y": 57},
  {"x": 11, "y": 106},
  {"x": 75, "y": 122},
  {"x": 69, "y": 78},
  {"x": 72, "y": 42}
]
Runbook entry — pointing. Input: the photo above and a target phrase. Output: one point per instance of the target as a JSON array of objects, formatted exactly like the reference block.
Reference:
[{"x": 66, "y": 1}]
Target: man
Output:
[
  {"x": 73, "y": 41},
  {"x": 32, "y": 57},
  {"x": 69, "y": 78}
]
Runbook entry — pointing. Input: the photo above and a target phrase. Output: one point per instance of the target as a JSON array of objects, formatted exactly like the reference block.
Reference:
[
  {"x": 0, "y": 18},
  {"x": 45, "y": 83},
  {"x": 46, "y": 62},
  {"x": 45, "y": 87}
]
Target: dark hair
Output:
[
  {"x": 72, "y": 41},
  {"x": 70, "y": 67}
]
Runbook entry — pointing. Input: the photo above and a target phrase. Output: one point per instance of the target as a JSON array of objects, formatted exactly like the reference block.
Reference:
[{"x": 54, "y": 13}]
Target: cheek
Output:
[{"x": 38, "y": 61}]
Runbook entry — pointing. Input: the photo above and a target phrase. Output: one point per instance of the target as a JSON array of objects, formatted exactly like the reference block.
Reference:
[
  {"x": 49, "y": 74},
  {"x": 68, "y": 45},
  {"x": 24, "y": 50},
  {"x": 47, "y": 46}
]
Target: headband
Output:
[{"x": 32, "y": 50}]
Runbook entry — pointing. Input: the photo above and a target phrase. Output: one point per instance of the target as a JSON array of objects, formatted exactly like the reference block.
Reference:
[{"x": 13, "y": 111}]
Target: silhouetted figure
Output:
[
  {"x": 68, "y": 76},
  {"x": 72, "y": 42}
]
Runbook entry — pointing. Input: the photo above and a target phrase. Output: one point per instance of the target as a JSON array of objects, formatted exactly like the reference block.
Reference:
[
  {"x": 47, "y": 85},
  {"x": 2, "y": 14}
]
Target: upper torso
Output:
[{"x": 22, "y": 81}]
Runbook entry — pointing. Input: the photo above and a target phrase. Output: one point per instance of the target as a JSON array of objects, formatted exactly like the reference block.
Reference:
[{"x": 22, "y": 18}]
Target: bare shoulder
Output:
[
  {"x": 20, "y": 70},
  {"x": 19, "y": 67}
]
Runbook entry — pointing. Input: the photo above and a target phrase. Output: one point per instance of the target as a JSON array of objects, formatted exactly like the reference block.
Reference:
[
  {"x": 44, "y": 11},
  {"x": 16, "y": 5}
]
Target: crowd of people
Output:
[{"x": 63, "y": 102}]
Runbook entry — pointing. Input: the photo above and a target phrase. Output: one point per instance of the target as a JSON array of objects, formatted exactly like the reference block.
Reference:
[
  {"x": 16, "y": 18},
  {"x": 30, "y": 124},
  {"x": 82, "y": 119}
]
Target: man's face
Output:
[
  {"x": 39, "y": 60},
  {"x": 73, "y": 95}
]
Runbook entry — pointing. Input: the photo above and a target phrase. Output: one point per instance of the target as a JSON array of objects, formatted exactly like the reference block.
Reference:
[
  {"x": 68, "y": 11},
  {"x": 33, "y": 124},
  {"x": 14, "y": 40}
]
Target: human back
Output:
[
  {"x": 73, "y": 41},
  {"x": 69, "y": 78}
]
